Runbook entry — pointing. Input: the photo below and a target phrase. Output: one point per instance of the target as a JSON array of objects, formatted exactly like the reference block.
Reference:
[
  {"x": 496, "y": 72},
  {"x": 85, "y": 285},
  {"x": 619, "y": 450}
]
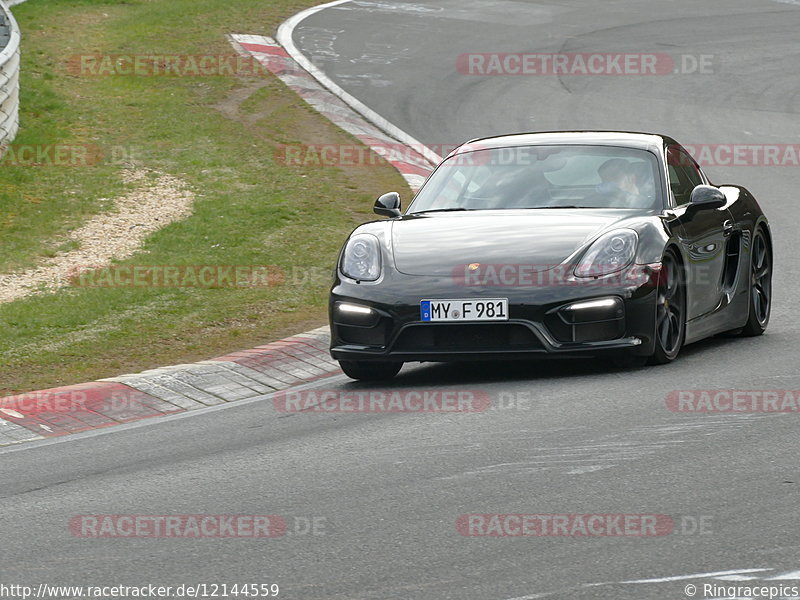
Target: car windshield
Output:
[{"x": 535, "y": 177}]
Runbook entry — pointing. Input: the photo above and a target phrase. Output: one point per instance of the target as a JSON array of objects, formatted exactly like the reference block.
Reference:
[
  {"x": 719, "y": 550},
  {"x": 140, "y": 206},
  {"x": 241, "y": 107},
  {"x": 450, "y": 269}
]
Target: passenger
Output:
[{"x": 643, "y": 177}]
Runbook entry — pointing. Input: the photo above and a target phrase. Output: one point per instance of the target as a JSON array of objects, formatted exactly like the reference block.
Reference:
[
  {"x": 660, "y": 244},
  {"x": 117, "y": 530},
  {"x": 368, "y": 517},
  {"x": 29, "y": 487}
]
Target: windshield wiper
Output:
[
  {"x": 440, "y": 210},
  {"x": 433, "y": 210},
  {"x": 563, "y": 206}
]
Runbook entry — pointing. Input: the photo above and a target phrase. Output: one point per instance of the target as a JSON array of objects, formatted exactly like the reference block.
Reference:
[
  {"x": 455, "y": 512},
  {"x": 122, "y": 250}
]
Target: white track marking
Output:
[
  {"x": 722, "y": 575},
  {"x": 694, "y": 576},
  {"x": 794, "y": 575},
  {"x": 284, "y": 37}
]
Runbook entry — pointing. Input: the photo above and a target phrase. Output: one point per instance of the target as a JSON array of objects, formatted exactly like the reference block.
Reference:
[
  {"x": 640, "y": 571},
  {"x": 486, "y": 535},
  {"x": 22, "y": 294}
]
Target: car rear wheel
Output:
[
  {"x": 760, "y": 287},
  {"x": 670, "y": 311},
  {"x": 365, "y": 370}
]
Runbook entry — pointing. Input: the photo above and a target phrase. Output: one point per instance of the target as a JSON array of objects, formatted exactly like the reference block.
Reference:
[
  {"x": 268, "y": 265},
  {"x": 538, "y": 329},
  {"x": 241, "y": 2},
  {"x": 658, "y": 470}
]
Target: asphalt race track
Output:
[{"x": 385, "y": 491}]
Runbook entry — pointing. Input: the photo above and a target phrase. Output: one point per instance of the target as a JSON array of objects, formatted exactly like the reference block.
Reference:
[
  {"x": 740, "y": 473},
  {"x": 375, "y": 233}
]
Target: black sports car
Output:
[{"x": 563, "y": 243}]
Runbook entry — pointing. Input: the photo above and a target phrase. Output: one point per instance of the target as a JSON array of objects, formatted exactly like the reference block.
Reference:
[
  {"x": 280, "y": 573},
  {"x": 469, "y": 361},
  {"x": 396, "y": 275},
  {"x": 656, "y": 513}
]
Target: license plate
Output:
[{"x": 484, "y": 309}]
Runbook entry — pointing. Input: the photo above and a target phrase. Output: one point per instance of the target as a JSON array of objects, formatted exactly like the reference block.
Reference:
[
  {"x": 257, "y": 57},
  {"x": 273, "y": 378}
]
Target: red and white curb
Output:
[
  {"x": 415, "y": 162},
  {"x": 168, "y": 390}
]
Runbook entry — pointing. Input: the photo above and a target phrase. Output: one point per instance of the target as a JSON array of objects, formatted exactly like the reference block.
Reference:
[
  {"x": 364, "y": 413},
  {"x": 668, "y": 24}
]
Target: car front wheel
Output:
[{"x": 670, "y": 311}]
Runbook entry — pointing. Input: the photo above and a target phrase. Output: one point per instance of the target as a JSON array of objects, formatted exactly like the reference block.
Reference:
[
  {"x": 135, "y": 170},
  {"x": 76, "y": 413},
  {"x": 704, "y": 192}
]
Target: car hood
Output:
[{"x": 437, "y": 243}]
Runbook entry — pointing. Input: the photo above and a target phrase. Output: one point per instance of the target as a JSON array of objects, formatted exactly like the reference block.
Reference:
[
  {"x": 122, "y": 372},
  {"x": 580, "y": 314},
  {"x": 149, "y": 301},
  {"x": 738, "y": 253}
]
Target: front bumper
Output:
[{"x": 540, "y": 324}]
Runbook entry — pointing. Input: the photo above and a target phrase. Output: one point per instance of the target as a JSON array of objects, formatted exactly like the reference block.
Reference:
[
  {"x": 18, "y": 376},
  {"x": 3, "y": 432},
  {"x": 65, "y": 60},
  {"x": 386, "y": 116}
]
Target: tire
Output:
[
  {"x": 760, "y": 293},
  {"x": 670, "y": 311},
  {"x": 365, "y": 370}
]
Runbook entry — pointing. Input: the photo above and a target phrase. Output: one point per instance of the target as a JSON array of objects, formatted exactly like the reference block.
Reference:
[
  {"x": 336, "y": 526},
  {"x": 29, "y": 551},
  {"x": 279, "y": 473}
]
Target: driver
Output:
[{"x": 618, "y": 183}]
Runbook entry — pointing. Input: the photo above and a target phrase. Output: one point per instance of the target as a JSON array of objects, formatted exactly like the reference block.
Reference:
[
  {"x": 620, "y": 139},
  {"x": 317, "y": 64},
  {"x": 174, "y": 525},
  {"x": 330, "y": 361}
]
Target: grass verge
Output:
[{"x": 219, "y": 135}]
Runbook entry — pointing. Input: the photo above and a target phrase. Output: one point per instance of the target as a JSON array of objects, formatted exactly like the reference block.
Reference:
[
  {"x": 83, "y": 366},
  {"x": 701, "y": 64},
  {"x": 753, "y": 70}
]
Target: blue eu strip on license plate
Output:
[{"x": 425, "y": 310}]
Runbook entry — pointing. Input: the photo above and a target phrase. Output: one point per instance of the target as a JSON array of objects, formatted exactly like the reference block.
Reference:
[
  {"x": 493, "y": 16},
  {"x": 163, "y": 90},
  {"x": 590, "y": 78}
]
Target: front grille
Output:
[{"x": 466, "y": 337}]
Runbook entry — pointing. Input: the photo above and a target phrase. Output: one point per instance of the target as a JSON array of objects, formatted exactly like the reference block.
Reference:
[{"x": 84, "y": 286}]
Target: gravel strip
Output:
[{"x": 113, "y": 235}]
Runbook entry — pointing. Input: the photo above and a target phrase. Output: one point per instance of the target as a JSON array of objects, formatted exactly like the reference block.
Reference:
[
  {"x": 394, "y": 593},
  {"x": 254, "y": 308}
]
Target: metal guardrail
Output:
[{"x": 9, "y": 76}]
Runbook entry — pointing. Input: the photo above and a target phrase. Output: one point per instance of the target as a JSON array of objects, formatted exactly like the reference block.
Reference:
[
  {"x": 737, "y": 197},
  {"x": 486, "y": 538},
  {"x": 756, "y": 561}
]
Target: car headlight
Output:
[
  {"x": 611, "y": 252},
  {"x": 362, "y": 257}
]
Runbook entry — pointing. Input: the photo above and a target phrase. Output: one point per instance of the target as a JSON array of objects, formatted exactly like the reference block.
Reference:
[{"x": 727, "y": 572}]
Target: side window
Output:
[{"x": 684, "y": 174}]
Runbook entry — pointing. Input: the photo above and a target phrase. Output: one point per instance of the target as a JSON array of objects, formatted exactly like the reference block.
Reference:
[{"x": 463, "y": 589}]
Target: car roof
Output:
[{"x": 628, "y": 139}]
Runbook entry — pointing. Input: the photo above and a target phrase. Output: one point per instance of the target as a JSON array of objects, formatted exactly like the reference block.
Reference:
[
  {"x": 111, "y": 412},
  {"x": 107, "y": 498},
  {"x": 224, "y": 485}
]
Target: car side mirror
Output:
[
  {"x": 388, "y": 205},
  {"x": 705, "y": 197}
]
